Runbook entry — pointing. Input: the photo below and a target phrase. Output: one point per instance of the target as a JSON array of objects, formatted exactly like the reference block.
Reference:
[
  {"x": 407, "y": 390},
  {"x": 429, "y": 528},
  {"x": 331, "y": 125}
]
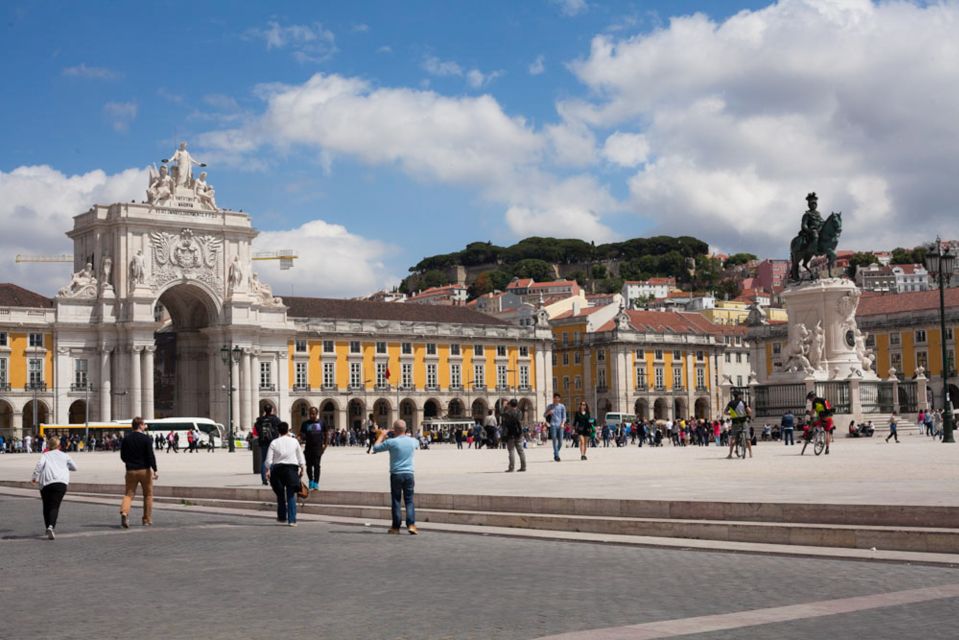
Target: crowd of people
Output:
[{"x": 68, "y": 442}]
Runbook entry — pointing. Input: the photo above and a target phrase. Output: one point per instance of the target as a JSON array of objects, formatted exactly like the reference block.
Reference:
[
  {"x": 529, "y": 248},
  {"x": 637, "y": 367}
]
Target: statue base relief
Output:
[{"x": 825, "y": 343}]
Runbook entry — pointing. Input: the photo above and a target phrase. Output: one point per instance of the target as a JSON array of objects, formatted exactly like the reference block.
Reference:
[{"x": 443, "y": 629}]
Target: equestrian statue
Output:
[{"x": 815, "y": 238}]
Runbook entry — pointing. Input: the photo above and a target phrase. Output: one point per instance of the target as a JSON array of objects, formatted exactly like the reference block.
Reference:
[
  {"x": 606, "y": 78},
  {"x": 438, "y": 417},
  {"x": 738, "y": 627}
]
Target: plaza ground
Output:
[
  {"x": 212, "y": 575},
  {"x": 918, "y": 471}
]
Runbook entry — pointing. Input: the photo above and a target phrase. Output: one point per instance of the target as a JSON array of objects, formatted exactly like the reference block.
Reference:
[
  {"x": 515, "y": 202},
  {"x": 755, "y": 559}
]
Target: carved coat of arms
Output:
[{"x": 187, "y": 256}]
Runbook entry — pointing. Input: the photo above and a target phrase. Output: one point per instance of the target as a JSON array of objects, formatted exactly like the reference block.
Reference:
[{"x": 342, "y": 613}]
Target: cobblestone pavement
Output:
[
  {"x": 867, "y": 471},
  {"x": 203, "y": 575}
]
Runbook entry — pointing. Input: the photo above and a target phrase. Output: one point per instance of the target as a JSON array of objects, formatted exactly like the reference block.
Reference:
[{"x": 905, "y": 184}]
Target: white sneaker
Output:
[{"x": 50, "y": 534}]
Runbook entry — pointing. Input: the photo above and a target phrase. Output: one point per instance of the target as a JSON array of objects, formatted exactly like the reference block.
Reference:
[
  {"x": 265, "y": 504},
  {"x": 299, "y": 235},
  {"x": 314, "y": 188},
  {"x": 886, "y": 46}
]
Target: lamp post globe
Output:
[{"x": 941, "y": 262}]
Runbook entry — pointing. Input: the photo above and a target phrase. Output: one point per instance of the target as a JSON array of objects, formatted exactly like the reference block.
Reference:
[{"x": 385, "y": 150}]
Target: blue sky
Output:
[{"x": 367, "y": 135}]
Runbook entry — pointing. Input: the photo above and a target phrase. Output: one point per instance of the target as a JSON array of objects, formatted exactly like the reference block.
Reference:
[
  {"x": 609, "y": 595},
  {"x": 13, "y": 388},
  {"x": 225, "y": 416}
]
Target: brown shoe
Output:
[
  {"x": 393, "y": 531},
  {"x": 412, "y": 530}
]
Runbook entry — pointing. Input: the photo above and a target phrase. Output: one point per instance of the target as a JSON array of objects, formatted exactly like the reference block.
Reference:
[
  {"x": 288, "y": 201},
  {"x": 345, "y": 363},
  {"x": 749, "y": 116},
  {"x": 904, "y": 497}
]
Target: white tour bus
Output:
[
  {"x": 205, "y": 426},
  {"x": 613, "y": 419}
]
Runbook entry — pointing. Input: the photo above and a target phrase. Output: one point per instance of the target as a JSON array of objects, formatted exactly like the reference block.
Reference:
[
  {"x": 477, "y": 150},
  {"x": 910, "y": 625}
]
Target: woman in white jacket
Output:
[{"x": 52, "y": 473}]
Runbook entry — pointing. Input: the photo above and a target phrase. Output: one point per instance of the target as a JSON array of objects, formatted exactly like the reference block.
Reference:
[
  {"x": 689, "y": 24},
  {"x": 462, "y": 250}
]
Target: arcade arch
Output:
[
  {"x": 383, "y": 413},
  {"x": 30, "y": 424},
  {"x": 702, "y": 408},
  {"x": 328, "y": 411},
  {"x": 6, "y": 416},
  {"x": 661, "y": 409},
  {"x": 641, "y": 409},
  {"x": 299, "y": 412},
  {"x": 77, "y": 412}
]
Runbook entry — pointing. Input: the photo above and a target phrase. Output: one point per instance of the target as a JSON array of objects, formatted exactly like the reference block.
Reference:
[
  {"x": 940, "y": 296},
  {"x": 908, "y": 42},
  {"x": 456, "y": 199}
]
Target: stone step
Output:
[
  {"x": 769, "y": 512},
  {"x": 900, "y": 538}
]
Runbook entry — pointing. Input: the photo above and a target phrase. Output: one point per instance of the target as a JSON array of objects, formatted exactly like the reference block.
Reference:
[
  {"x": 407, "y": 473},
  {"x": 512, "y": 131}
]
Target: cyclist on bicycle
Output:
[
  {"x": 739, "y": 413},
  {"x": 820, "y": 415}
]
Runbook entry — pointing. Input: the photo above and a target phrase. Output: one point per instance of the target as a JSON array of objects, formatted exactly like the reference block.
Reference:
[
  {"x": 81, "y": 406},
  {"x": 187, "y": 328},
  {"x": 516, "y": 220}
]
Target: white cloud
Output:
[
  {"x": 40, "y": 202},
  {"x": 332, "y": 261},
  {"x": 573, "y": 144},
  {"x": 537, "y": 66},
  {"x": 307, "y": 42},
  {"x": 465, "y": 141},
  {"x": 560, "y": 222},
  {"x": 571, "y": 7},
  {"x": 442, "y": 68},
  {"x": 447, "y": 68},
  {"x": 626, "y": 149},
  {"x": 741, "y": 118},
  {"x": 94, "y": 73},
  {"x": 120, "y": 115},
  {"x": 360, "y": 28}
]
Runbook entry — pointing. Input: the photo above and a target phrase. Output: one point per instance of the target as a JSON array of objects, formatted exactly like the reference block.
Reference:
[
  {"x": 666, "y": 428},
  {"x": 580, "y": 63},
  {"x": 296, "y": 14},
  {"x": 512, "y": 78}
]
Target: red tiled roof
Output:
[
  {"x": 554, "y": 283},
  {"x": 366, "y": 310},
  {"x": 522, "y": 283},
  {"x": 12, "y": 295},
  {"x": 875, "y": 304}
]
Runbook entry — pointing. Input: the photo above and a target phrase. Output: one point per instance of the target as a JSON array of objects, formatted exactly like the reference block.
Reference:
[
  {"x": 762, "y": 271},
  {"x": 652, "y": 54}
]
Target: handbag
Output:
[{"x": 304, "y": 491}]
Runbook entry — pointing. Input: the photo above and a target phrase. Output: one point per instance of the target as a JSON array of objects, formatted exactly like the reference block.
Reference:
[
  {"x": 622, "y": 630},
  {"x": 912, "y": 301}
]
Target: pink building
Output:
[{"x": 771, "y": 274}]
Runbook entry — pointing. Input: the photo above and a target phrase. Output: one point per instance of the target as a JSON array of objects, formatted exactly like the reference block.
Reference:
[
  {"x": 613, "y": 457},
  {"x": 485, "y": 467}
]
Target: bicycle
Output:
[
  {"x": 817, "y": 436},
  {"x": 741, "y": 445}
]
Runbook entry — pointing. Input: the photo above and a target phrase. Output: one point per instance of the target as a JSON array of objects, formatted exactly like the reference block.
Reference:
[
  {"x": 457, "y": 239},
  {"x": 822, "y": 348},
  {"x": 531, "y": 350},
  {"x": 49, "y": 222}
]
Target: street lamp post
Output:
[
  {"x": 87, "y": 388},
  {"x": 230, "y": 357},
  {"x": 941, "y": 262}
]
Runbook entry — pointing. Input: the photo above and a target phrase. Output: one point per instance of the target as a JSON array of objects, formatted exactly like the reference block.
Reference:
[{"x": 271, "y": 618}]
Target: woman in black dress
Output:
[{"x": 583, "y": 425}]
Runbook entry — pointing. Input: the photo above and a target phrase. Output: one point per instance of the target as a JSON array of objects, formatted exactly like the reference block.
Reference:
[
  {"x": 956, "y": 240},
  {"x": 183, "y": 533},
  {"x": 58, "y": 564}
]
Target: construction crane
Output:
[
  {"x": 285, "y": 256},
  {"x": 64, "y": 257}
]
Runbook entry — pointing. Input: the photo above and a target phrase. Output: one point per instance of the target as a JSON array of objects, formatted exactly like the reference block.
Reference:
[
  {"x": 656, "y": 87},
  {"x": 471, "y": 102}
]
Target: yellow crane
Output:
[
  {"x": 285, "y": 256},
  {"x": 64, "y": 257}
]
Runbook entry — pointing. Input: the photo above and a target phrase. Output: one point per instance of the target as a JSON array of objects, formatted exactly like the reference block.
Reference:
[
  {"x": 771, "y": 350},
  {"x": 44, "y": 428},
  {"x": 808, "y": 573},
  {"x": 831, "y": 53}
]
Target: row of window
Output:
[
  {"x": 640, "y": 355},
  {"x": 406, "y": 348},
  {"x": 922, "y": 360},
  {"x": 34, "y": 371},
  {"x": 33, "y": 339},
  {"x": 384, "y": 377},
  {"x": 919, "y": 335},
  {"x": 641, "y": 380}
]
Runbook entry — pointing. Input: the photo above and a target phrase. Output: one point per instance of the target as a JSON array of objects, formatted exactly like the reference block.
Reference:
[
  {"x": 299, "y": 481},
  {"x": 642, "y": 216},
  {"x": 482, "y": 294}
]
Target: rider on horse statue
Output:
[{"x": 815, "y": 237}]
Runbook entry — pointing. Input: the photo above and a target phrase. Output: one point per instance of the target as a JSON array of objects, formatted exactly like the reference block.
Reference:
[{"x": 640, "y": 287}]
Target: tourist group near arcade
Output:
[{"x": 164, "y": 316}]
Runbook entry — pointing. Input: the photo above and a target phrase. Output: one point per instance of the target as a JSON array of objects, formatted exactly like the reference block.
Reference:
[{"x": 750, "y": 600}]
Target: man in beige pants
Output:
[{"x": 136, "y": 451}]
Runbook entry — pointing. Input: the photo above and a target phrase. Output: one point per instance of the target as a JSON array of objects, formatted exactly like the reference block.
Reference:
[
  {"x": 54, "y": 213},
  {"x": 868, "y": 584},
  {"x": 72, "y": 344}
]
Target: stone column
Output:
[
  {"x": 147, "y": 381},
  {"x": 922, "y": 393},
  {"x": 254, "y": 386},
  {"x": 235, "y": 395},
  {"x": 855, "y": 399},
  {"x": 895, "y": 390},
  {"x": 105, "y": 385},
  {"x": 134, "y": 385},
  {"x": 245, "y": 390}
]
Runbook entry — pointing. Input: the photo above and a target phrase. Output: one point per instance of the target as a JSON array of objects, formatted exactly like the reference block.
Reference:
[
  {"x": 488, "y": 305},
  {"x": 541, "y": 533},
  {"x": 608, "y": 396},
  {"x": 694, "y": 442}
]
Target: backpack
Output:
[
  {"x": 827, "y": 409},
  {"x": 266, "y": 431}
]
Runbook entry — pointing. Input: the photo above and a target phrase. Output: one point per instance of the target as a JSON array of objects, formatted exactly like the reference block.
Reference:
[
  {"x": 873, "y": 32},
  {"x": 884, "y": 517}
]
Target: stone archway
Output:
[
  {"x": 6, "y": 417},
  {"x": 299, "y": 412},
  {"x": 185, "y": 355},
  {"x": 78, "y": 412},
  {"x": 641, "y": 409},
  {"x": 328, "y": 411},
  {"x": 431, "y": 408},
  {"x": 702, "y": 408},
  {"x": 679, "y": 409},
  {"x": 479, "y": 409},
  {"x": 455, "y": 409},
  {"x": 408, "y": 414},
  {"x": 526, "y": 410},
  {"x": 660, "y": 409},
  {"x": 356, "y": 410},
  {"x": 31, "y": 425},
  {"x": 383, "y": 413}
]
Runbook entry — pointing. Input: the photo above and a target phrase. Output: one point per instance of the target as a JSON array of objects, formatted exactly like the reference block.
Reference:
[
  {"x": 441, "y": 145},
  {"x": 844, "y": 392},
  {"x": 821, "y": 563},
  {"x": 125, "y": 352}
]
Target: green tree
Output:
[
  {"x": 728, "y": 288},
  {"x": 599, "y": 271},
  {"x": 477, "y": 253},
  {"x": 860, "y": 259},
  {"x": 534, "y": 268},
  {"x": 739, "y": 258}
]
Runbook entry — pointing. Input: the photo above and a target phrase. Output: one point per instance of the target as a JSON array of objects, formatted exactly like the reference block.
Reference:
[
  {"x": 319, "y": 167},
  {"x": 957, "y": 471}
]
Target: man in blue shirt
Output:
[
  {"x": 556, "y": 417},
  {"x": 401, "y": 448},
  {"x": 788, "y": 424}
]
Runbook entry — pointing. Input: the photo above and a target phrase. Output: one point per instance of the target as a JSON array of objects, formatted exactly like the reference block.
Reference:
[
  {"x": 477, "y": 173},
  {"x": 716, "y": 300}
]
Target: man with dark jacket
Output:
[
  {"x": 788, "y": 424},
  {"x": 513, "y": 434},
  {"x": 136, "y": 451},
  {"x": 313, "y": 435},
  {"x": 266, "y": 427}
]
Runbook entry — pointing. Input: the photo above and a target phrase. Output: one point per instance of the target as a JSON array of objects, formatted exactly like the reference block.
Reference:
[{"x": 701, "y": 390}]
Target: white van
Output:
[
  {"x": 614, "y": 419},
  {"x": 204, "y": 426}
]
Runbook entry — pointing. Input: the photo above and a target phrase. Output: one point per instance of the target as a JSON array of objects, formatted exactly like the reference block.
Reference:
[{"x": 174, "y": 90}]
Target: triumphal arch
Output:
[{"x": 164, "y": 306}]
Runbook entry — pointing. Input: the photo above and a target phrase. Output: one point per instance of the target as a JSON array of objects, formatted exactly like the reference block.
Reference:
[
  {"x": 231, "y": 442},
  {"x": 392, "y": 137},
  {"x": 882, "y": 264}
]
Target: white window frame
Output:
[
  {"x": 454, "y": 349},
  {"x": 381, "y": 374},
  {"x": 355, "y": 346},
  {"x": 660, "y": 377},
  {"x": 406, "y": 348},
  {"x": 301, "y": 374},
  {"x": 266, "y": 375},
  {"x": 3, "y": 338},
  {"x": 431, "y": 381},
  {"x": 456, "y": 375},
  {"x": 700, "y": 378},
  {"x": 329, "y": 346},
  {"x": 381, "y": 347},
  {"x": 601, "y": 378},
  {"x": 524, "y": 352},
  {"x": 502, "y": 377},
  {"x": 356, "y": 375},
  {"x": 641, "y": 380},
  {"x": 479, "y": 375},
  {"x": 678, "y": 377},
  {"x": 299, "y": 345},
  {"x": 921, "y": 336},
  {"x": 501, "y": 351},
  {"x": 81, "y": 370},
  {"x": 4, "y": 371},
  {"x": 329, "y": 374},
  {"x": 406, "y": 375},
  {"x": 524, "y": 376},
  {"x": 431, "y": 348},
  {"x": 478, "y": 350}
]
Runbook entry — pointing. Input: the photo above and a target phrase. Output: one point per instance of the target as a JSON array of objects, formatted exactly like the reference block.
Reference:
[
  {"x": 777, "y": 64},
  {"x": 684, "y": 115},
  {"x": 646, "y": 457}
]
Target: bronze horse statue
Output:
[{"x": 801, "y": 253}]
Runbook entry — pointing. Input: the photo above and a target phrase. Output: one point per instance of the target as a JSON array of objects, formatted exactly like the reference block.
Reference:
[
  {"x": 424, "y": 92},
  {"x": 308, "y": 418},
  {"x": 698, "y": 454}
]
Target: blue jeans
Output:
[
  {"x": 263, "y": 452},
  {"x": 285, "y": 482},
  {"x": 788, "y": 436},
  {"x": 401, "y": 485},
  {"x": 556, "y": 433}
]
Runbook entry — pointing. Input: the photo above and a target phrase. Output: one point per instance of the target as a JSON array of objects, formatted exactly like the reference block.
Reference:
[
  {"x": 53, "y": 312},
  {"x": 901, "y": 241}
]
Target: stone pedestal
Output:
[{"x": 825, "y": 343}]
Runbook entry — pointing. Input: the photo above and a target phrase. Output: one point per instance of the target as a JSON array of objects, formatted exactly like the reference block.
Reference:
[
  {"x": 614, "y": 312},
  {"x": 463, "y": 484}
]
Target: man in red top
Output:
[{"x": 820, "y": 412}]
